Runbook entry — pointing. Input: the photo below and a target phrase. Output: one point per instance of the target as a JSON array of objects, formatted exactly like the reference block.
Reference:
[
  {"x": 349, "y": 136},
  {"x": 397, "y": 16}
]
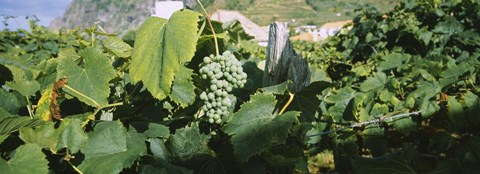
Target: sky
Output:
[{"x": 45, "y": 10}]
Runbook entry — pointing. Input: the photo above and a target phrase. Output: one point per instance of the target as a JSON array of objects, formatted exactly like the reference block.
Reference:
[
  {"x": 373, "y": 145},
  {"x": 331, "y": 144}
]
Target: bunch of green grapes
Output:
[{"x": 224, "y": 73}]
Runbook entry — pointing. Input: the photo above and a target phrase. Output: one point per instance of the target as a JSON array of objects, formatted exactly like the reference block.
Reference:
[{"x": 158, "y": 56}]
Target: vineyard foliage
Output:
[{"x": 135, "y": 106}]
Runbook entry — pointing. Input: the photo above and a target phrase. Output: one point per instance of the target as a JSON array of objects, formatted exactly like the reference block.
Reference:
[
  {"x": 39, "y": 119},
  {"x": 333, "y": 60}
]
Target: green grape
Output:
[
  {"x": 211, "y": 96},
  {"x": 213, "y": 87},
  {"x": 203, "y": 96},
  {"x": 229, "y": 89},
  {"x": 224, "y": 72},
  {"x": 218, "y": 93}
]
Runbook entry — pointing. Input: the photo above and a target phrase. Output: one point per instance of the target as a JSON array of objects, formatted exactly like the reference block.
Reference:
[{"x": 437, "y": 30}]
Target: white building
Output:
[
  {"x": 250, "y": 27},
  {"x": 165, "y": 9},
  {"x": 325, "y": 31},
  {"x": 331, "y": 28}
]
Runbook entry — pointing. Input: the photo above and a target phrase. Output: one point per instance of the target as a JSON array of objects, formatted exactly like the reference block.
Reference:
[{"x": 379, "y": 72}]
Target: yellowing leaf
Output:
[{"x": 43, "y": 106}]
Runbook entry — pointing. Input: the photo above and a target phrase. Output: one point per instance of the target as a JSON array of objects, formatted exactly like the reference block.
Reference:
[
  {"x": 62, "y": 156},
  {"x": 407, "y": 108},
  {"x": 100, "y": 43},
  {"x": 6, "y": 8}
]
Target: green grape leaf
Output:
[
  {"x": 398, "y": 162},
  {"x": 315, "y": 134},
  {"x": 455, "y": 112},
  {"x": 377, "y": 82},
  {"x": 106, "y": 138},
  {"x": 148, "y": 169},
  {"x": 117, "y": 46},
  {"x": 183, "y": 90},
  {"x": 440, "y": 142},
  {"x": 188, "y": 143},
  {"x": 9, "y": 101},
  {"x": 158, "y": 149},
  {"x": 4, "y": 114},
  {"x": 277, "y": 89},
  {"x": 319, "y": 75},
  {"x": 161, "y": 156},
  {"x": 48, "y": 73},
  {"x": 72, "y": 137},
  {"x": 157, "y": 130},
  {"x": 378, "y": 110},
  {"x": 91, "y": 79},
  {"x": 341, "y": 100},
  {"x": 361, "y": 71},
  {"x": 428, "y": 108},
  {"x": 23, "y": 81},
  {"x": 15, "y": 123},
  {"x": 375, "y": 140},
  {"x": 25, "y": 87},
  {"x": 166, "y": 168},
  {"x": 471, "y": 104},
  {"x": 452, "y": 73},
  {"x": 45, "y": 136},
  {"x": 392, "y": 61},
  {"x": 27, "y": 158},
  {"x": 3, "y": 138},
  {"x": 254, "y": 128},
  {"x": 425, "y": 36},
  {"x": 111, "y": 145},
  {"x": 160, "y": 49},
  {"x": 405, "y": 125},
  {"x": 307, "y": 102}
]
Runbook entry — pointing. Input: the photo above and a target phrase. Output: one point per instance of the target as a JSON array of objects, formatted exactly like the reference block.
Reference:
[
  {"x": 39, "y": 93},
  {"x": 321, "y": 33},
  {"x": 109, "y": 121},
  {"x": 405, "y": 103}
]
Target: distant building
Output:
[
  {"x": 165, "y": 9},
  {"x": 305, "y": 28},
  {"x": 331, "y": 28},
  {"x": 309, "y": 33},
  {"x": 250, "y": 27}
]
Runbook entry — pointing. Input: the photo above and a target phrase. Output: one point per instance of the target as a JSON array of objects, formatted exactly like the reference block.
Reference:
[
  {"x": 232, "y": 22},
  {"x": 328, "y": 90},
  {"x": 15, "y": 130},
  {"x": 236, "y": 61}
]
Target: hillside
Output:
[
  {"x": 112, "y": 15},
  {"x": 120, "y": 16},
  {"x": 314, "y": 12}
]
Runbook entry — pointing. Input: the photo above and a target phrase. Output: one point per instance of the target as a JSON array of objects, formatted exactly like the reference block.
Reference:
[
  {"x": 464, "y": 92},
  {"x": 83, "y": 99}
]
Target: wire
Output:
[{"x": 378, "y": 120}]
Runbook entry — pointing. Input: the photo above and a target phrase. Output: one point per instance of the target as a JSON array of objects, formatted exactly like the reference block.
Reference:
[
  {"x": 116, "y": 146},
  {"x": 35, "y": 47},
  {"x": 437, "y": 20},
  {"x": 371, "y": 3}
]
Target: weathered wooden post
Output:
[{"x": 282, "y": 62}]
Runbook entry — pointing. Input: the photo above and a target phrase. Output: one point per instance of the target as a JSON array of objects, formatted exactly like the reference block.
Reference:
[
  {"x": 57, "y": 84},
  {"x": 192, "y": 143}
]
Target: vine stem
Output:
[
  {"x": 83, "y": 95},
  {"x": 74, "y": 167},
  {"x": 207, "y": 16},
  {"x": 29, "y": 107},
  {"x": 92, "y": 117},
  {"x": 288, "y": 103},
  {"x": 67, "y": 158},
  {"x": 369, "y": 122}
]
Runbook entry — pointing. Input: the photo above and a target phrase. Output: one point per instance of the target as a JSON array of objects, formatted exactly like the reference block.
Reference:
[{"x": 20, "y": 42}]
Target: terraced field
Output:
[
  {"x": 315, "y": 12},
  {"x": 266, "y": 11}
]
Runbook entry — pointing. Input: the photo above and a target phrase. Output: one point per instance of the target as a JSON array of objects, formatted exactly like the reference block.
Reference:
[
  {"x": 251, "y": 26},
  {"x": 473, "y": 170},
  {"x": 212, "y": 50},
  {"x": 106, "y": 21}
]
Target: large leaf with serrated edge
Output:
[
  {"x": 183, "y": 89},
  {"x": 117, "y": 46},
  {"x": 45, "y": 136},
  {"x": 188, "y": 143},
  {"x": 397, "y": 162},
  {"x": 90, "y": 78},
  {"x": 112, "y": 147},
  {"x": 72, "y": 137},
  {"x": 28, "y": 158},
  {"x": 254, "y": 128},
  {"x": 14, "y": 123},
  {"x": 9, "y": 102},
  {"x": 161, "y": 47}
]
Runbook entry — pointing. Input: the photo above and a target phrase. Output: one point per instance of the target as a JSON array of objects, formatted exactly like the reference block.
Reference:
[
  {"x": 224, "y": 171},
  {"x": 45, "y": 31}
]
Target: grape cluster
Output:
[{"x": 223, "y": 72}]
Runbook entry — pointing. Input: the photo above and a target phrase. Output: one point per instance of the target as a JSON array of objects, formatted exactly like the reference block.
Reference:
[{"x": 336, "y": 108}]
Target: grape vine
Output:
[
  {"x": 394, "y": 91},
  {"x": 223, "y": 73}
]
